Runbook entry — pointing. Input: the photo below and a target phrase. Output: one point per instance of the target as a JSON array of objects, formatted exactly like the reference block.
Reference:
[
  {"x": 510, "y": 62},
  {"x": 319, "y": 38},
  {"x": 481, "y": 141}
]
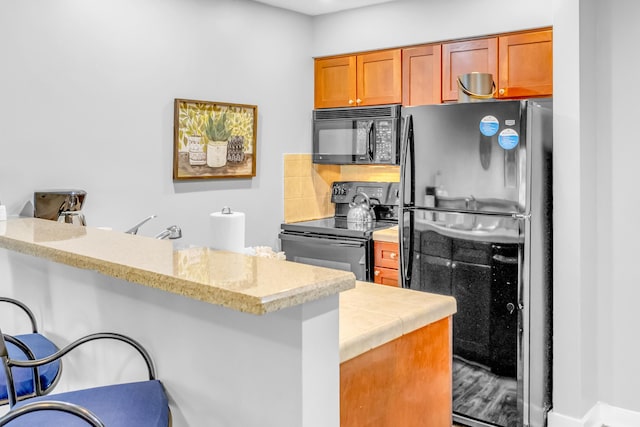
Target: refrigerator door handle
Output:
[
  {"x": 521, "y": 216},
  {"x": 406, "y": 262},
  {"x": 406, "y": 151}
]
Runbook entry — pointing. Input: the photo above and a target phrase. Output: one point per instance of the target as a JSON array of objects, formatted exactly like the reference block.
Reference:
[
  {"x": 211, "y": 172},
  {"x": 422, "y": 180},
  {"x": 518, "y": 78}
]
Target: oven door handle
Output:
[{"x": 323, "y": 240}]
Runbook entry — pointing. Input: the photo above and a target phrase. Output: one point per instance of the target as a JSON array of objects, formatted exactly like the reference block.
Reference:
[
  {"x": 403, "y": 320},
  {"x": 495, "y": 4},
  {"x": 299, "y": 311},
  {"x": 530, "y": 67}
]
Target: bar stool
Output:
[
  {"x": 30, "y": 346},
  {"x": 135, "y": 404}
]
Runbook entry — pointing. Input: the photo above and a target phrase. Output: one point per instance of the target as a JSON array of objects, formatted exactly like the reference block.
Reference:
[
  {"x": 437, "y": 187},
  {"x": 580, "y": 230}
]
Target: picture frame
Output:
[{"x": 213, "y": 140}]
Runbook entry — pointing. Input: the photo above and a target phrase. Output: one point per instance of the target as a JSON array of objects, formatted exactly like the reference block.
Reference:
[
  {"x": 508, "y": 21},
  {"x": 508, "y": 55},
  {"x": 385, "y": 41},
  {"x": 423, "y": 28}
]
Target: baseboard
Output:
[{"x": 600, "y": 415}]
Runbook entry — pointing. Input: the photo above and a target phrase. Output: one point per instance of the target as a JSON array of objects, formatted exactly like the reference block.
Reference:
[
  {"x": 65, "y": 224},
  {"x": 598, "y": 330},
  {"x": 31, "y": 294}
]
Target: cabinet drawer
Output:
[
  {"x": 386, "y": 254},
  {"x": 386, "y": 276}
]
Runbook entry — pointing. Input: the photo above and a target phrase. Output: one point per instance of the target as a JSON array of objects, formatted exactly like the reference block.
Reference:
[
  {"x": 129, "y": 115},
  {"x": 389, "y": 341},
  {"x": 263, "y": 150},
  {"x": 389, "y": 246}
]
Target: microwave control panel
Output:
[{"x": 385, "y": 143}]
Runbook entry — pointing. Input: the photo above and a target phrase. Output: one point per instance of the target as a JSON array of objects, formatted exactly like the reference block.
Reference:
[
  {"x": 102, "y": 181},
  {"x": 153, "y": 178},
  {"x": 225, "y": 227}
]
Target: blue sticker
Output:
[
  {"x": 489, "y": 125},
  {"x": 508, "y": 139}
]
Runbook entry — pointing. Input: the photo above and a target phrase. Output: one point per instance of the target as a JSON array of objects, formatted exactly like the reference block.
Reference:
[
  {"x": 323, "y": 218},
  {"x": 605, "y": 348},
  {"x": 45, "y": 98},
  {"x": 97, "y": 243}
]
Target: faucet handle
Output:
[{"x": 134, "y": 229}]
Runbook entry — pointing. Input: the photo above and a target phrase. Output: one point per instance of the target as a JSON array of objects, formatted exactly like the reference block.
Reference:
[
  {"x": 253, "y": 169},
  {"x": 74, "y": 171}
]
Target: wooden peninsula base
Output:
[{"x": 404, "y": 380}]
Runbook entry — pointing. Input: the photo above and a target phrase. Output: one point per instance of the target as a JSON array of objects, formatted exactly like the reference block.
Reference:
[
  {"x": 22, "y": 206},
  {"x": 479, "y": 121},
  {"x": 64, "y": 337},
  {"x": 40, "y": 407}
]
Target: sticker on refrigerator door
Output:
[
  {"x": 508, "y": 139},
  {"x": 489, "y": 125}
]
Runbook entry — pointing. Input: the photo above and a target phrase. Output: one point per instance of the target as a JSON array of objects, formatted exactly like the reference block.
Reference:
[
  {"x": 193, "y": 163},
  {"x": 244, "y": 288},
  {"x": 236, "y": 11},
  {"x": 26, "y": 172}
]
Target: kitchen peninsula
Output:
[{"x": 237, "y": 340}]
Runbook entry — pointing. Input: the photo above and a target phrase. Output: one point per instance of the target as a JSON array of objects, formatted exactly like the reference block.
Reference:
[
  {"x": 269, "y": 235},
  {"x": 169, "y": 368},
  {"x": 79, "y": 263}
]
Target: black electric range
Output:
[{"x": 337, "y": 243}]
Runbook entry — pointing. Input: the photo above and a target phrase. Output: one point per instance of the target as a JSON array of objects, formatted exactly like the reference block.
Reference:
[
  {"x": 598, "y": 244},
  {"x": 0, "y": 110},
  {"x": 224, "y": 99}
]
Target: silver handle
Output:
[
  {"x": 521, "y": 216},
  {"x": 510, "y": 307}
]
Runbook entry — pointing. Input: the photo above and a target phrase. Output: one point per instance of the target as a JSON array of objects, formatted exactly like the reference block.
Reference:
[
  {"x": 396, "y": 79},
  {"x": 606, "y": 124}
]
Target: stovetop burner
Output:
[{"x": 384, "y": 197}]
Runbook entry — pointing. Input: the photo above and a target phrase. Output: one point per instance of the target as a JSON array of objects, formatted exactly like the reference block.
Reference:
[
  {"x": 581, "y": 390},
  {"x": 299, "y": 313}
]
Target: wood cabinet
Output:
[
  {"x": 464, "y": 57},
  {"x": 405, "y": 382},
  {"x": 521, "y": 63},
  {"x": 526, "y": 64},
  {"x": 385, "y": 270},
  {"x": 372, "y": 78},
  {"x": 422, "y": 75}
]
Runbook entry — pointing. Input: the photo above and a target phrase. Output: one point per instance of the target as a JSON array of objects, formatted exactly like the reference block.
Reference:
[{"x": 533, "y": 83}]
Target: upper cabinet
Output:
[
  {"x": 526, "y": 64},
  {"x": 521, "y": 64},
  {"x": 421, "y": 75},
  {"x": 464, "y": 57},
  {"x": 372, "y": 78}
]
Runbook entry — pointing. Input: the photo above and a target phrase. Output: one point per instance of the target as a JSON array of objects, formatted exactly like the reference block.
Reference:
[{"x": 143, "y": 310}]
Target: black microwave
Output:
[{"x": 357, "y": 135}]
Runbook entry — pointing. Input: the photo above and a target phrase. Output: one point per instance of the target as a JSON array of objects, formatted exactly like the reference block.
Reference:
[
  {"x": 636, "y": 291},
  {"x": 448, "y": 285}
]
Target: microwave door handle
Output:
[{"x": 372, "y": 142}]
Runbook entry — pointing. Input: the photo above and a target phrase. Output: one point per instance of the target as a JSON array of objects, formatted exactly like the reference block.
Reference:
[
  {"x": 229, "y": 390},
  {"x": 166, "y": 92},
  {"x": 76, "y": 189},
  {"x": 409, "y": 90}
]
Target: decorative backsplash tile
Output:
[{"x": 307, "y": 186}]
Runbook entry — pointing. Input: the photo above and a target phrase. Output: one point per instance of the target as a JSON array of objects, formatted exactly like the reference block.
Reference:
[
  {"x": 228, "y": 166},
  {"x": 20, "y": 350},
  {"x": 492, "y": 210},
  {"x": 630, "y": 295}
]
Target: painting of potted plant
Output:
[
  {"x": 214, "y": 140},
  {"x": 218, "y": 134}
]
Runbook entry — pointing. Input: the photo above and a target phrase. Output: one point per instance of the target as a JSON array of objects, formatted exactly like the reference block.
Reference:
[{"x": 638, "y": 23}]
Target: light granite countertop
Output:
[
  {"x": 372, "y": 315},
  {"x": 386, "y": 235},
  {"x": 241, "y": 282}
]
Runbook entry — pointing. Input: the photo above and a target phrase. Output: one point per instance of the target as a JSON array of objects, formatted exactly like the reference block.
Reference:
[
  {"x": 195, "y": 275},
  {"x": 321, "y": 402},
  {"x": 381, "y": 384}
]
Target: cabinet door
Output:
[
  {"x": 386, "y": 254},
  {"x": 386, "y": 276},
  {"x": 471, "y": 287},
  {"x": 526, "y": 65},
  {"x": 335, "y": 82},
  {"x": 422, "y": 75},
  {"x": 465, "y": 57},
  {"x": 379, "y": 77}
]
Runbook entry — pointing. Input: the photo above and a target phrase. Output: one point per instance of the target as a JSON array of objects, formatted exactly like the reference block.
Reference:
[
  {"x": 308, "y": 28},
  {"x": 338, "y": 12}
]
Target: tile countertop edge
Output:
[
  {"x": 372, "y": 315},
  {"x": 387, "y": 235},
  {"x": 229, "y": 298}
]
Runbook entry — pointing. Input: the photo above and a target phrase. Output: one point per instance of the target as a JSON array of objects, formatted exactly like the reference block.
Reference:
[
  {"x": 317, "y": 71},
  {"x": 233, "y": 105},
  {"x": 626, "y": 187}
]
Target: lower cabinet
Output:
[
  {"x": 385, "y": 269},
  {"x": 406, "y": 382}
]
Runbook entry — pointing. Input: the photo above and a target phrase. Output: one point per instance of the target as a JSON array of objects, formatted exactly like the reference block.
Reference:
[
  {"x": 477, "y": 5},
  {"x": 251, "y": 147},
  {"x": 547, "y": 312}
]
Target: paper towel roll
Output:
[{"x": 227, "y": 230}]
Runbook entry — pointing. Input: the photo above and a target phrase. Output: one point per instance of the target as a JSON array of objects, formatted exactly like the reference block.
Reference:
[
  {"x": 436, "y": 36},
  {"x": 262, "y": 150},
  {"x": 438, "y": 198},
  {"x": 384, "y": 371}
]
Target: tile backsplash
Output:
[{"x": 307, "y": 186}]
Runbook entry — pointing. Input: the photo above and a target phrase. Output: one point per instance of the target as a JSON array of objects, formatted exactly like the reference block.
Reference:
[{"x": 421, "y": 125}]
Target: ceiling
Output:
[{"x": 319, "y": 7}]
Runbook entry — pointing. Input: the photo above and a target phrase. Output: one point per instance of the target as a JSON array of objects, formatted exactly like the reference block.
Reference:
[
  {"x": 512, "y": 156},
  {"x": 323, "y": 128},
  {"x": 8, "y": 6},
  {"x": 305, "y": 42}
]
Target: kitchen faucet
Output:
[
  {"x": 172, "y": 232},
  {"x": 134, "y": 229}
]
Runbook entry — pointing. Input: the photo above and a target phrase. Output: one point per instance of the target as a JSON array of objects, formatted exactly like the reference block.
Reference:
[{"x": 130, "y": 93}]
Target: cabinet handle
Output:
[
  {"x": 393, "y": 255},
  {"x": 501, "y": 91},
  {"x": 351, "y": 102},
  {"x": 358, "y": 101},
  {"x": 510, "y": 307},
  {"x": 453, "y": 265},
  {"x": 376, "y": 272}
]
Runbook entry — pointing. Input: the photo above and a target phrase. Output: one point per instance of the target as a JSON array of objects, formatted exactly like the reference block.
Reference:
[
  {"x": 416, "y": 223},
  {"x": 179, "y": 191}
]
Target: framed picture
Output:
[{"x": 214, "y": 140}]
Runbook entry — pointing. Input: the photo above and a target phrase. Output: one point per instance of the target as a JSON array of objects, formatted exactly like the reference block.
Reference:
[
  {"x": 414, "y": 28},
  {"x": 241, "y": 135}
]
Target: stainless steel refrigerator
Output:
[{"x": 475, "y": 223}]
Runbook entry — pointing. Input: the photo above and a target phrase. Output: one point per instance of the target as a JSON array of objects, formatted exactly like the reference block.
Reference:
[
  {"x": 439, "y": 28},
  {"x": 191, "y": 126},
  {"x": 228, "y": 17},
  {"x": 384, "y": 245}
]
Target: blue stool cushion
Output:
[
  {"x": 23, "y": 377},
  {"x": 139, "y": 404}
]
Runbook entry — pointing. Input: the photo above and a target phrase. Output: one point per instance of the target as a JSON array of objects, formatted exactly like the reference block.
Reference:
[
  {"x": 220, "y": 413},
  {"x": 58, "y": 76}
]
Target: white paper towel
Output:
[{"x": 227, "y": 230}]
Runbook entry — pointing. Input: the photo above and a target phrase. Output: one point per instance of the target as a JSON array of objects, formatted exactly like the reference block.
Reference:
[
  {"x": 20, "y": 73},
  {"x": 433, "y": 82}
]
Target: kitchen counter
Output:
[
  {"x": 372, "y": 315},
  {"x": 386, "y": 235},
  {"x": 240, "y": 282},
  {"x": 205, "y": 302}
]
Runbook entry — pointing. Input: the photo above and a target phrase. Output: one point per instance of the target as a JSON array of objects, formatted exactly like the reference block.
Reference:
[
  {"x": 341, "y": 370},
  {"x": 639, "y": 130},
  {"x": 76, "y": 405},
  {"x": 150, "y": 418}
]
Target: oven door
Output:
[{"x": 348, "y": 254}]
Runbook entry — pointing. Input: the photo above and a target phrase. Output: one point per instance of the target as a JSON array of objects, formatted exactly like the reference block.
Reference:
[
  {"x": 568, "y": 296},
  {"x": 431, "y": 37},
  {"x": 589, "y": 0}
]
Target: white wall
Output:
[
  {"x": 406, "y": 22},
  {"x": 618, "y": 32},
  {"x": 86, "y": 101}
]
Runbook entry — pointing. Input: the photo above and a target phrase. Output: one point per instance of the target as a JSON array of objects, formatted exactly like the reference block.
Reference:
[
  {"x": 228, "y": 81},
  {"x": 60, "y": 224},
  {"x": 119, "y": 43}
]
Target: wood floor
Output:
[{"x": 484, "y": 394}]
